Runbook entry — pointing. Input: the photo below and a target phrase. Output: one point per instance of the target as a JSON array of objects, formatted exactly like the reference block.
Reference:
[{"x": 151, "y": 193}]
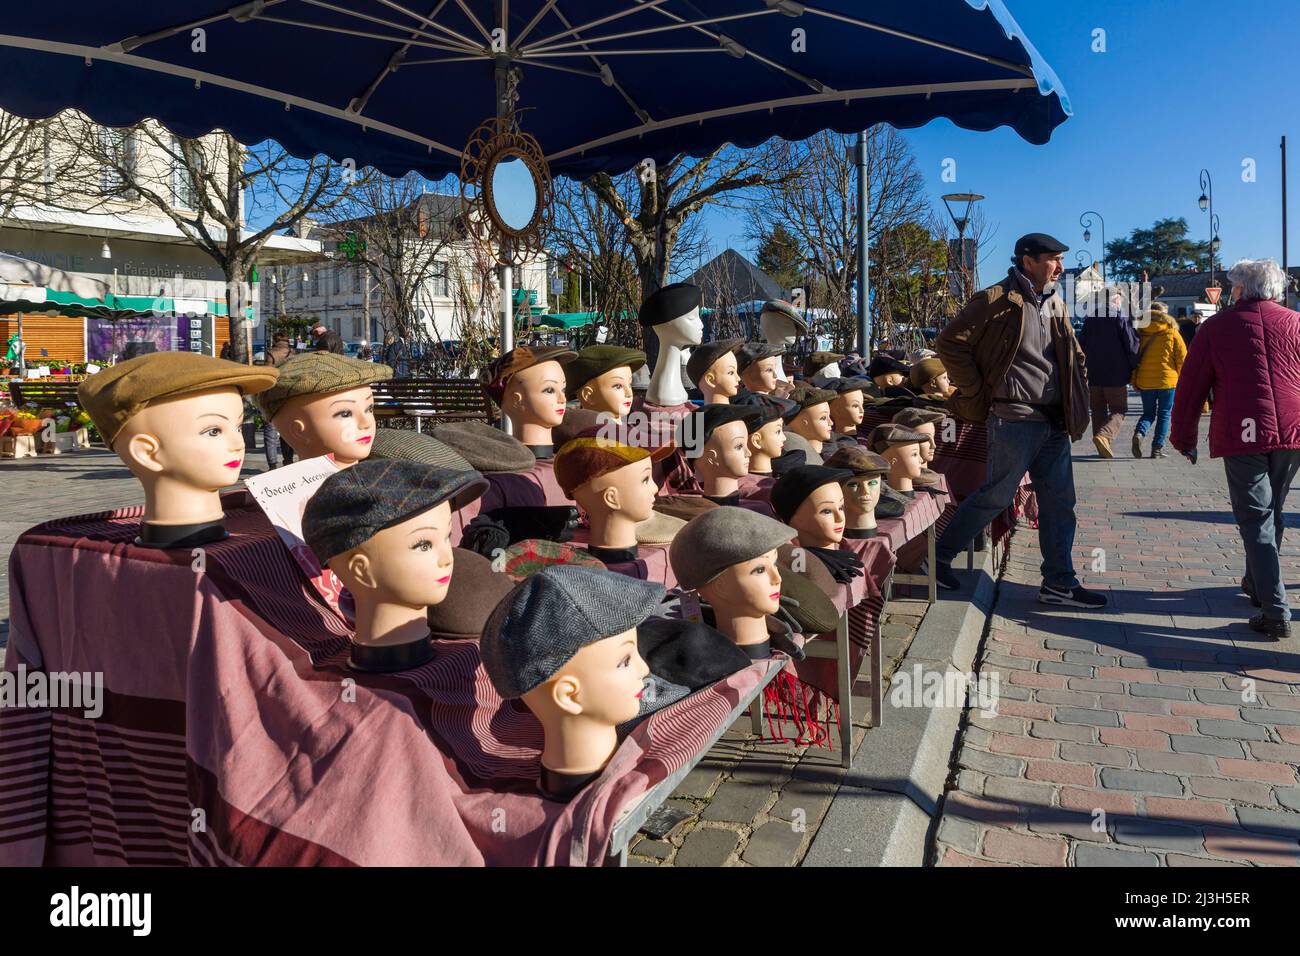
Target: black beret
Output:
[
  {"x": 793, "y": 487},
  {"x": 696, "y": 428},
  {"x": 885, "y": 364},
  {"x": 670, "y": 302}
]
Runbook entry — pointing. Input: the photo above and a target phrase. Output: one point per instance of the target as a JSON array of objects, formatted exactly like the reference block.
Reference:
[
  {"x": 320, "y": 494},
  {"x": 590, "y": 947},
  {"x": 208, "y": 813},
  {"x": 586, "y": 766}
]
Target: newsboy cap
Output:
[
  {"x": 696, "y": 428},
  {"x": 353, "y": 505},
  {"x": 670, "y": 302},
  {"x": 924, "y": 371},
  {"x": 858, "y": 460},
  {"x": 715, "y": 540},
  {"x": 795, "y": 485},
  {"x": 499, "y": 370},
  {"x": 659, "y": 528},
  {"x": 785, "y": 310},
  {"x": 1036, "y": 243},
  {"x": 752, "y": 352},
  {"x": 911, "y": 417},
  {"x": 806, "y": 396},
  {"x": 845, "y": 384},
  {"x": 884, "y": 364},
  {"x": 703, "y": 357},
  {"x": 319, "y": 373},
  {"x": 117, "y": 394},
  {"x": 413, "y": 446},
  {"x": 487, "y": 449},
  {"x": 475, "y": 589},
  {"x": 588, "y": 457},
  {"x": 887, "y": 435},
  {"x": 595, "y": 360},
  {"x": 548, "y": 618},
  {"x": 816, "y": 361}
]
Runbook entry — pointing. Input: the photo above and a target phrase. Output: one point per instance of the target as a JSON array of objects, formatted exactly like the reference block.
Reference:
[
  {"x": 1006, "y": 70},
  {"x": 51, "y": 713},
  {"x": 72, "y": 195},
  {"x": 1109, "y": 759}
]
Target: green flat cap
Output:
[
  {"x": 319, "y": 373},
  {"x": 596, "y": 360}
]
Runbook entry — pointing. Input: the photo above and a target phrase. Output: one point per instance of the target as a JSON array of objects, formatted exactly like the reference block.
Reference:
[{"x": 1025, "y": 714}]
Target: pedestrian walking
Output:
[
  {"x": 1111, "y": 346},
  {"x": 1160, "y": 357},
  {"x": 327, "y": 340},
  {"x": 1250, "y": 355},
  {"x": 1018, "y": 368},
  {"x": 272, "y": 444}
]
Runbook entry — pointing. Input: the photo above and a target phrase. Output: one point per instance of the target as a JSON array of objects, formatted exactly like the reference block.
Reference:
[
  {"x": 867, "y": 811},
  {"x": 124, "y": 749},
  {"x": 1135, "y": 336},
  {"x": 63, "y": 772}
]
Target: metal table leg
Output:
[
  {"x": 845, "y": 675},
  {"x": 932, "y": 583}
]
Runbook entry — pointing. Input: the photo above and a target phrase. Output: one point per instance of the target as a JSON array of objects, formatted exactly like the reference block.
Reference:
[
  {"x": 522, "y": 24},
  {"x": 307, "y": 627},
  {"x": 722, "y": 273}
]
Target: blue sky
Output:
[{"x": 1183, "y": 84}]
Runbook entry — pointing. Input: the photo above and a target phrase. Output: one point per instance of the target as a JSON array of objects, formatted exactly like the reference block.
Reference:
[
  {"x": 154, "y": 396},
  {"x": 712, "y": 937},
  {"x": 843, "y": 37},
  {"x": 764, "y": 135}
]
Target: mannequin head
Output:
[
  {"x": 887, "y": 371},
  {"x": 716, "y": 441},
  {"x": 812, "y": 420},
  {"x": 341, "y": 424},
  {"x": 809, "y": 498},
  {"x": 901, "y": 447},
  {"x": 862, "y": 488},
  {"x": 174, "y": 419},
  {"x": 929, "y": 377},
  {"x": 924, "y": 421},
  {"x": 927, "y": 448},
  {"x": 729, "y": 556},
  {"x": 780, "y": 323},
  {"x": 601, "y": 378},
  {"x": 609, "y": 392},
  {"x": 760, "y": 366},
  {"x": 612, "y": 483},
  {"x": 714, "y": 370},
  {"x": 673, "y": 314},
  {"x": 564, "y": 640},
  {"x": 383, "y": 527},
  {"x": 765, "y": 443},
  {"x": 528, "y": 383},
  {"x": 847, "y": 410}
]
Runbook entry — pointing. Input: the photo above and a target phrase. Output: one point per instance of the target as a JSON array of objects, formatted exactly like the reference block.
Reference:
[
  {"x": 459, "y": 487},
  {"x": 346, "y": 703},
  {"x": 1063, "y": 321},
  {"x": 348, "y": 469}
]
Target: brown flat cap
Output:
[
  {"x": 703, "y": 357},
  {"x": 685, "y": 507},
  {"x": 889, "y": 434},
  {"x": 474, "y": 591},
  {"x": 806, "y": 396},
  {"x": 487, "y": 449},
  {"x": 116, "y": 395},
  {"x": 924, "y": 371},
  {"x": 319, "y": 373},
  {"x": 858, "y": 460},
  {"x": 816, "y": 361},
  {"x": 498, "y": 372},
  {"x": 911, "y": 417}
]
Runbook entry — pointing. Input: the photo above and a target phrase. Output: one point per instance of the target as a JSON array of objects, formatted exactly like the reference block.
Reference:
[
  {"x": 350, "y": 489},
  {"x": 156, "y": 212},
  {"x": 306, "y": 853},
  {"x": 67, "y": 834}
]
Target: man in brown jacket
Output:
[{"x": 1018, "y": 369}]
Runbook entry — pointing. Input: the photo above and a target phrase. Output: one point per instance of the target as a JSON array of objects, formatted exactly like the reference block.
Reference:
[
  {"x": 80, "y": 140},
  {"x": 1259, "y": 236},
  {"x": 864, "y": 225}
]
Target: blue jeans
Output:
[
  {"x": 1014, "y": 449},
  {"x": 1257, "y": 488},
  {"x": 1157, "y": 406}
]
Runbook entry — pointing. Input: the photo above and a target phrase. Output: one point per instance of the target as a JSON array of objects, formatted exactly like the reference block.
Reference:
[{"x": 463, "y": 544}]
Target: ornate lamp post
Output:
[
  {"x": 1086, "y": 221},
  {"x": 961, "y": 222},
  {"x": 1206, "y": 202}
]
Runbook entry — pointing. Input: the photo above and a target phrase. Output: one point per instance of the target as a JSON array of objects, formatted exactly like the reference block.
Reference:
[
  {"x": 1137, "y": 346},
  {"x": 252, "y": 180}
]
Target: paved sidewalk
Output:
[{"x": 1160, "y": 732}]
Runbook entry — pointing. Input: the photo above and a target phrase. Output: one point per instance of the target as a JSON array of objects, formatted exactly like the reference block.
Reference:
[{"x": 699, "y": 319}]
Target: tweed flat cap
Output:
[
  {"x": 537, "y": 628},
  {"x": 885, "y": 364},
  {"x": 752, "y": 352},
  {"x": 845, "y": 384},
  {"x": 117, "y": 394},
  {"x": 793, "y": 487},
  {"x": 810, "y": 567},
  {"x": 858, "y": 460},
  {"x": 816, "y": 613},
  {"x": 487, "y": 449},
  {"x": 596, "y": 360},
  {"x": 785, "y": 310},
  {"x": 353, "y": 505},
  {"x": 703, "y": 357},
  {"x": 816, "y": 361},
  {"x": 806, "y": 396},
  {"x": 695, "y": 429},
  {"x": 474, "y": 591},
  {"x": 659, "y": 528},
  {"x": 715, "y": 540},
  {"x": 911, "y": 417},
  {"x": 924, "y": 371},
  {"x": 887, "y": 435},
  {"x": 319, "y": 373},
  {"x": 499, "y": 370},
  {"x": 685, "y": 507},
  {"x": 586, "y": 458},
  {"x": 413, "y": 446},
  {"x": 527, "y": 557},
  {"x": 670, "y": 302}
]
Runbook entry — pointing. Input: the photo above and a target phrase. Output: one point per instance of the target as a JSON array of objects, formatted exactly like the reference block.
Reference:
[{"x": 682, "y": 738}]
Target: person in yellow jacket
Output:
[{"x": 1160, "y": 358}]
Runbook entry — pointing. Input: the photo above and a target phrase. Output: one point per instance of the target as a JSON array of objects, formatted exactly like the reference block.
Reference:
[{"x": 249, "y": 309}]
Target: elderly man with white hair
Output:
[{"x": 1249, "y": 354}]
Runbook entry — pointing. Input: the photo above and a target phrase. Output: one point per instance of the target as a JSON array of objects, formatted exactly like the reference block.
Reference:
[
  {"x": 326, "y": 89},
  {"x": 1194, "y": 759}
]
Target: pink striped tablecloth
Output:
[
  {"x": 651, "y": 563},
  {"x": 232, "y": 732}
]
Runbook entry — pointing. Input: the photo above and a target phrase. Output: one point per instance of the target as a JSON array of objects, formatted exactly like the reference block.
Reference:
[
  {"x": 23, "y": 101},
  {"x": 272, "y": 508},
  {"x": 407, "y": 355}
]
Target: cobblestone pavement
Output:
[{"x": 1159, "y": 732}]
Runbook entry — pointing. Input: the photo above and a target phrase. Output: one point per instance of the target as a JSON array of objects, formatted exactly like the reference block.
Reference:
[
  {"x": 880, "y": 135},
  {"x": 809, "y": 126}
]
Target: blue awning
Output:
[{"x": 602, "y": 83}]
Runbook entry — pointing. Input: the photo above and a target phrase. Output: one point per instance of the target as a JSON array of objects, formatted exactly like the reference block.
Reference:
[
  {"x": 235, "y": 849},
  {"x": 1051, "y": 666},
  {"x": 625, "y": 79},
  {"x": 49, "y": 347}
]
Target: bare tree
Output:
[
  {"x": 209, "y": 188},
  {"x": 28, "y": 172},
  {"x": 964, "y": 282},
  {"x": 813, "y": 195}
]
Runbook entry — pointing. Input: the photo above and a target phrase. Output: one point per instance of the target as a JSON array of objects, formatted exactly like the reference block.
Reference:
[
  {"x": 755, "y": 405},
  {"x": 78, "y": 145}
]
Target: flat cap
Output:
[
  {"x": 685, "y": 507},
  {"x": 806, "y": 396},
  {"x": 487, "y": 449},
  {"x": 696, "y": 428},
  {"x": 785, "y": 310},
  {"x": 714, "y": 541},
  {"x": 847, "y": 383},
  {"x": 353, "y": 505},
  {"x": 795, "y": 485},
  {"x": 596, "y": 360},
  {"x": 816, "y": 361},
  {"x": 499, "y": 370},
  {"x": 544, "y": 621},
  {"x": 587, "y": 457},
  {"x": 1036, "y": 243},
  {"x": 911, "y": 417},
  {"x": 884, "y": 364},
  {"x": 117, "y": 394},
  {"x": 752, "y": 352},
  {"x": 474, "y": 591},
  {"x": 887, "y": 435},
  {"x": 413, "y": 446},
  {"x": 924, "y": 371},
  {"x": 659, "y": 528},
  {"x": 319, "y": 373},
  {"x": 670, "y": 302},
  {"x": 703, "y": 356},
  {"x": 816, "y": 612},
  {"x": 858, "y": 460},
  {"x": 527, "y": 557}
]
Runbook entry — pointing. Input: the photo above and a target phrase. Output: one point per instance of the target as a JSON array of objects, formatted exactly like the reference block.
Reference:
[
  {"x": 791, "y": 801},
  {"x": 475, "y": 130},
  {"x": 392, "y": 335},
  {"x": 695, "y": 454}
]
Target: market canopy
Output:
[
  {"x": 38, "y": 300},
  {"x": 601, "y": 83}
]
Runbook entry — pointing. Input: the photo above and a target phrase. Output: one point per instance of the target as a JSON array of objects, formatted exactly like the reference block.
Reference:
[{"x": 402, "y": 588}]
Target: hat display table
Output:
[
  {"x": 232, "y": 731},
  {"x": 651, "y": 564}
]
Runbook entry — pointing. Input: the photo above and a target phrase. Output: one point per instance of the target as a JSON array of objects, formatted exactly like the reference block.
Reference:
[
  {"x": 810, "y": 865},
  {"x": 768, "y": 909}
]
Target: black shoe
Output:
[
  {"x": 1270, "y": 627},
  {"x": 1137, "y": 445},
  {"x": 1158, "y": 451},
  {"x": 982, "y": 541},
  {"x": 1249, "y": 590},
  {"x": 1078, "y": 597},
  {"x": 943, "y": 575}
]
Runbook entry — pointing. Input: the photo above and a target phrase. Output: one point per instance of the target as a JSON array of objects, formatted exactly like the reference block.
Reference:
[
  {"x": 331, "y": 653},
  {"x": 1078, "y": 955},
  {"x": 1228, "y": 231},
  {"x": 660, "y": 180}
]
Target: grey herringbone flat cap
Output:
[
  {"x": 553, "y": 614},
  {"x": 717, "y": 539},
  {"x": 413, "y": 446}
]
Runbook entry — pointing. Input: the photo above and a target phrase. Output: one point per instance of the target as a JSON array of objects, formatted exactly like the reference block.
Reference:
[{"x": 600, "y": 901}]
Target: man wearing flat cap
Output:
[{"x": 1017, "y": 367}]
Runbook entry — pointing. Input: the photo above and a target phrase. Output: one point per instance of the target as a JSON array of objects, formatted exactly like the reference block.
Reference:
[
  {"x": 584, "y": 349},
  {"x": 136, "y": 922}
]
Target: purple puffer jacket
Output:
[{"x": 1250, "y": 355}]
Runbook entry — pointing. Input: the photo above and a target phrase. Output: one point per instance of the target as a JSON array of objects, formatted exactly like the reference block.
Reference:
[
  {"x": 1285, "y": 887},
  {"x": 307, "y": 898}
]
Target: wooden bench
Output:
[
  {"x": 433, "y": 399},
  {"x": 43, "y": 392}
]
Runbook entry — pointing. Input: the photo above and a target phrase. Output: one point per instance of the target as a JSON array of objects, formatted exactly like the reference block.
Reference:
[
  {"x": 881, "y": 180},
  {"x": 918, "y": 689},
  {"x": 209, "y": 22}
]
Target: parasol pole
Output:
[{"x": 502, "y": 68}]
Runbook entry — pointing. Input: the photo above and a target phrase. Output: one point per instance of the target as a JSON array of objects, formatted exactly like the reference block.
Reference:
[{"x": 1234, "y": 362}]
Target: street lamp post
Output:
[
  {"x": 1206, "y": 202},
  {"x": 961, "y": 222},
  {"x": 1086, "y": 221}
]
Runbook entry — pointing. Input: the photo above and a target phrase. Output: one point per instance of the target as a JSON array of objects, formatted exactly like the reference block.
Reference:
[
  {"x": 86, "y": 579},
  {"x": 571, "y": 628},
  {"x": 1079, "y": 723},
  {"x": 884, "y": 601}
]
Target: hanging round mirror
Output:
[{"x": 506, "y": 188}]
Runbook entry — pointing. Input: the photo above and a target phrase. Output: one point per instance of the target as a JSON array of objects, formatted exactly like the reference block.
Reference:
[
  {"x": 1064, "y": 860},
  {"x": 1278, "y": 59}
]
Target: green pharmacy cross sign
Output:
[{"x": 352, "y": 246}]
